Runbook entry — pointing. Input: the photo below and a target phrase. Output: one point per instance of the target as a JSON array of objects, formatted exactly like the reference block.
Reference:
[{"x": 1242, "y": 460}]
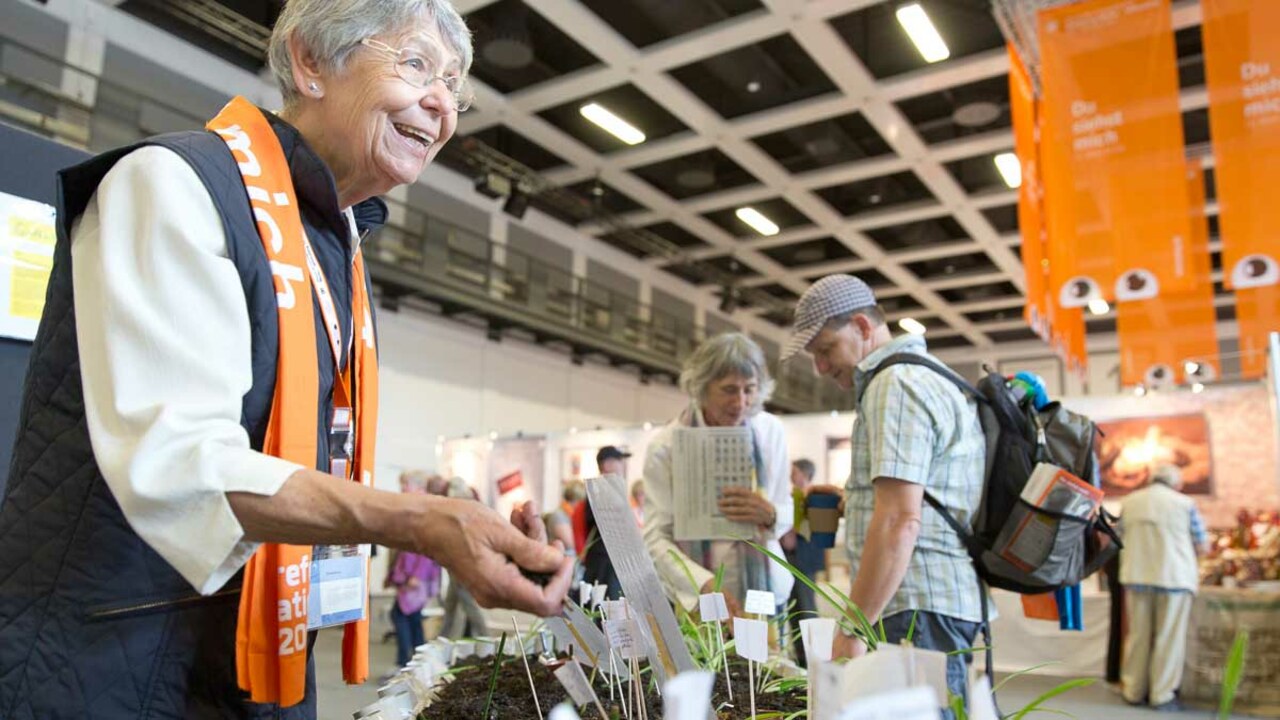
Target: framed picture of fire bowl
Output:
[{"x": 1129, "y": 447}]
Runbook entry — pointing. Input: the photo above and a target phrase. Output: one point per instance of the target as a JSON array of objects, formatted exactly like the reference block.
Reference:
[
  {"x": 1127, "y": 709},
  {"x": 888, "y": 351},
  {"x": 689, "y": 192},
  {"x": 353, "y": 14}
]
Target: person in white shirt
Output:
[
  {"x": 1163, "y": 536},
  {"x": 728, "y": 383}
]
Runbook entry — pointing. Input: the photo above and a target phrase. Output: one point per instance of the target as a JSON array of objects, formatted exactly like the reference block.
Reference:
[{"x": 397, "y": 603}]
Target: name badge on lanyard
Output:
[{"x": 339, "y": 573}]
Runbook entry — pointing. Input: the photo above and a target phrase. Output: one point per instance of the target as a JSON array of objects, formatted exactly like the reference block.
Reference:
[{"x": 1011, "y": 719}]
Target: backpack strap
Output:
[{"x": 914, "y": 359}]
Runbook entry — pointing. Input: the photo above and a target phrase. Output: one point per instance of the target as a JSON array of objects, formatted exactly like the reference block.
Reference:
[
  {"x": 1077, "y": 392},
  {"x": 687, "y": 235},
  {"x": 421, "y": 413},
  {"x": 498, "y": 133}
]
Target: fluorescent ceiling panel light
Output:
[
  {"x": 1098, "y": 306},
  {"x": 920, "y": 29},
  {"x": 1010, "y": 169},
  {"x": 616, "y": 126},
  {"x": 757, "y": 221},
  {"x": 912, "y": 325}
]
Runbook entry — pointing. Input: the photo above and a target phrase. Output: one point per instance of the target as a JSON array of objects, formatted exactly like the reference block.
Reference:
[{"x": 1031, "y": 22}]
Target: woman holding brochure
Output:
[{"x": 728, "y": 383}]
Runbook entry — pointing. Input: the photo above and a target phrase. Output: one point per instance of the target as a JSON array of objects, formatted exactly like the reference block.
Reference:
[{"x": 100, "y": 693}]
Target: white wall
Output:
[{"x": 441, "y": 378}]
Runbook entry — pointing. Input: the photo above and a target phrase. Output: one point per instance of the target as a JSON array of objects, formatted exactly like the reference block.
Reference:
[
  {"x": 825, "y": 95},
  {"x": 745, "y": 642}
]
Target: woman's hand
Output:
[
  {"x": 742, "y": 505},
  {"x": 485, "y": 554}
]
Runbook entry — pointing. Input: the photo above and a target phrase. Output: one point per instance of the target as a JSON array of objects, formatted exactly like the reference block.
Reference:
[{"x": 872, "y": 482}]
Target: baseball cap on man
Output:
[
  {"x": 609, "y": 452},
  {"x": 831, "y": 296}
]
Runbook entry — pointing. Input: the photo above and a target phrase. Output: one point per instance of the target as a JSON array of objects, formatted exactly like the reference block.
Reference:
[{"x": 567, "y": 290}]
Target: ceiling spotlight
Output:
[
  {"x": 753, "y": 86},
  {"x": 757, "y": 221},
  {"x": 1099, "y": 306},
  {"x": 573, "y": 431},
  {"x": 1140, "y": 390},
  {"x": 1010, "y": 169},
  {"x": 493, "y": 434},
  {"x": 517, "y": 203},
  {"x": 920, "y": 29},
  {"x": 873, "y": 199},
  {"x": 1197, "y": 388},
  {"x": 912, "y": 325},
  {"x": 647, "y": 426},
  {"x": 616, "y": 126}
]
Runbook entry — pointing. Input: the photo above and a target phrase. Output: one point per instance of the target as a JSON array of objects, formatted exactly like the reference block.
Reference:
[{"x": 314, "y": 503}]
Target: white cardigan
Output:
[{"x": 659, "y": 526}]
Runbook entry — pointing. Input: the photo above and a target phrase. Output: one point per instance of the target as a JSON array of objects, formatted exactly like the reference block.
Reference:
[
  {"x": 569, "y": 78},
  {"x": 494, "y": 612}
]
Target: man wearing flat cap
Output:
[{"x": 915, "y": 431}]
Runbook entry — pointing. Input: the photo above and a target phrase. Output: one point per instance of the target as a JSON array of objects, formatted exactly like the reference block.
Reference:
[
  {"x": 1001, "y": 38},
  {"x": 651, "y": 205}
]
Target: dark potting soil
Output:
[{"x": 465, "y": 697}]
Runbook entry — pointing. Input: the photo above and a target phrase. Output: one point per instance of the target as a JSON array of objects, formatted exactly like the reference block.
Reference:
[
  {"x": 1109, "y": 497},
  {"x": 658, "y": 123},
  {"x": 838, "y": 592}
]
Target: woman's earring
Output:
[{"x": 313, "y": 87}]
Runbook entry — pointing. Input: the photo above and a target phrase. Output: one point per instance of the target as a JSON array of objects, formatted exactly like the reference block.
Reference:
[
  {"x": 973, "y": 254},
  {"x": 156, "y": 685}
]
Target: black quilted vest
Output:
[{"x": 93, "y": 622}]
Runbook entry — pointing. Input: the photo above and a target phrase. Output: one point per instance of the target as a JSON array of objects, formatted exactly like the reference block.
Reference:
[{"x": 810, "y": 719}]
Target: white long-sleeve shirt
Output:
[
  {"x": 659, "y": 526},
  {"x": 163, "y": 329}
]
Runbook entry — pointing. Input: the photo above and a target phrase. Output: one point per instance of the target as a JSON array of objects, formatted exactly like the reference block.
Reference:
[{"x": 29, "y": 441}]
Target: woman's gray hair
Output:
[
  {"x": 331, "y": 29},
  {"x": 730, "y": 353}
]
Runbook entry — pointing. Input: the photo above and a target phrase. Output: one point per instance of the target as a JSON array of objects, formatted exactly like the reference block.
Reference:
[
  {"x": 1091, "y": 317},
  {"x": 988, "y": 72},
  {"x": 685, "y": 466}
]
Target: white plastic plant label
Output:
[
  {"x": 563, "y": 711},
  {"x": 760, "y": 602},
  {"x": 598, "y": 593},
  {"x": 981, "y": 705},
  {"x": 752, "y": 638},
  {"x": 687, "y": 696},
  {"x": 584, "y": 594},
  {"x": 817, "y": 634},
  {"x": 575, "y": 683},
  {"x": 712, "y": 608},
  {"x": 917, "y": 703}
]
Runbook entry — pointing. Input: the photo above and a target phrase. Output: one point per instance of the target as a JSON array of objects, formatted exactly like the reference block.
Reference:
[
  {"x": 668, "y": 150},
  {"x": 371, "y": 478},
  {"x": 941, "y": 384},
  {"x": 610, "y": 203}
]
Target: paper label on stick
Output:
[
  {"x": 818, "y": 634},
  {"x": 712, "y": 607},
  {"x": 751, "y": 638},
  {"x": 760, "y": 602},
  {"x": 598, "y": 593},
  {"x": 639, "y": 578},
  {"x": 584, "y": 594},
  {"x": 917, "y": 703},
  {"x": 687, "y": 696},
  {"x": 623, "y": 636}
]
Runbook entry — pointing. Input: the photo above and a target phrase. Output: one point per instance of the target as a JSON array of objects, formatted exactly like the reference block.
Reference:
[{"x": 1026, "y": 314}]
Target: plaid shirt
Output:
[{"x": 916, "y": 426}]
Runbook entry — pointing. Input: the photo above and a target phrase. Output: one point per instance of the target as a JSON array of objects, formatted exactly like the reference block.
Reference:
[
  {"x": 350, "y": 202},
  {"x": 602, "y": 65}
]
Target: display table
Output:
[
  {"x": 1022, "y": 643},
  {"x": 1218, "y": 614}
]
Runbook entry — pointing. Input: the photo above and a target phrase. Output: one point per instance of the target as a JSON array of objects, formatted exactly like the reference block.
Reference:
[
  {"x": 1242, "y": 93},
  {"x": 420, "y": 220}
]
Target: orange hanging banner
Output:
[
  {"x": 1113, "y": 153},
  {"x": 1172, "y": 338},
  {"x": 1242, "y": 72},
  {"x": 1257, "y": 316},
  {"x": 1022, "y": 102}
]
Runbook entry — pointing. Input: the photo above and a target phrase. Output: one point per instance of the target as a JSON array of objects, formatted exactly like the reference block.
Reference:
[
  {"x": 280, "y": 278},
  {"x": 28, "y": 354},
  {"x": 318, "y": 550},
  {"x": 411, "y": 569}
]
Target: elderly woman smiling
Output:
[
  {"x": 193, "y": 466},
  {"x": 728, "y": 383}
]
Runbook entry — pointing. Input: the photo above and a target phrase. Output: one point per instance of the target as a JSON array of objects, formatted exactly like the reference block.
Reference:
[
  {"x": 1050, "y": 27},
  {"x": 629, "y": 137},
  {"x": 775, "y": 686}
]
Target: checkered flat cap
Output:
[{"x": 831, "y": 296}]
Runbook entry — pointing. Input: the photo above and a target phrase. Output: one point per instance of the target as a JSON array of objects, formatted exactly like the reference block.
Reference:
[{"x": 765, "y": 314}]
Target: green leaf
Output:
[
  {"x": 1232, "y": 674},
  {"x": 719, "y": 583},
  {"x": 1020, "y": 673},
  {"x": 493, "y": 677},
  {"x": 862, "y": 627},
  {"x": 911, "y": 631},
  {"x": 1048, "y": 695}
]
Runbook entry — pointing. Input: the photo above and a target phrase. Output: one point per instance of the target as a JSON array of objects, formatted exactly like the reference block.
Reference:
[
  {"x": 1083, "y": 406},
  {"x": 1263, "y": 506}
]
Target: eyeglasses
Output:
[{"x": 420, "y": 72}]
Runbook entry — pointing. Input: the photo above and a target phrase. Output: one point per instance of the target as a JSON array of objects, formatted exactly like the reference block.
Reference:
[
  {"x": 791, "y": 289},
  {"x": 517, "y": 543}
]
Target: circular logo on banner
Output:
[
  {"x": 1255, "y": 271},
  {"x": 1137, "y": 284},
  {"x": 1078, "y": 291},
  {"x": 1158, "y": 376},
  {"x": 1199, "y": 371}
]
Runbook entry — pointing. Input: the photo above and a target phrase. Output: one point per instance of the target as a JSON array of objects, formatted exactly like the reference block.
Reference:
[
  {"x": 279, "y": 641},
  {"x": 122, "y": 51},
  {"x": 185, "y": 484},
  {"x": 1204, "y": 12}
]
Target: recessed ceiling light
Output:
[
  {"x": 616, "y": 126},
  {"x": 912, "y": 325},
  {"x": 757, "y": 221},
  {"x": 1010, "y": 169},
  {"x": 753, "y": 86},
  {"x": 920, "y": 29},
  {"x": 1099, "y": 306}
]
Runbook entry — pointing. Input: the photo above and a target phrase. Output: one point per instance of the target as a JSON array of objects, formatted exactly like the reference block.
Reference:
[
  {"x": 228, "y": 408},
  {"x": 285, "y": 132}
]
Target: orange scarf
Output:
[{"x": 271, "y": 635}]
